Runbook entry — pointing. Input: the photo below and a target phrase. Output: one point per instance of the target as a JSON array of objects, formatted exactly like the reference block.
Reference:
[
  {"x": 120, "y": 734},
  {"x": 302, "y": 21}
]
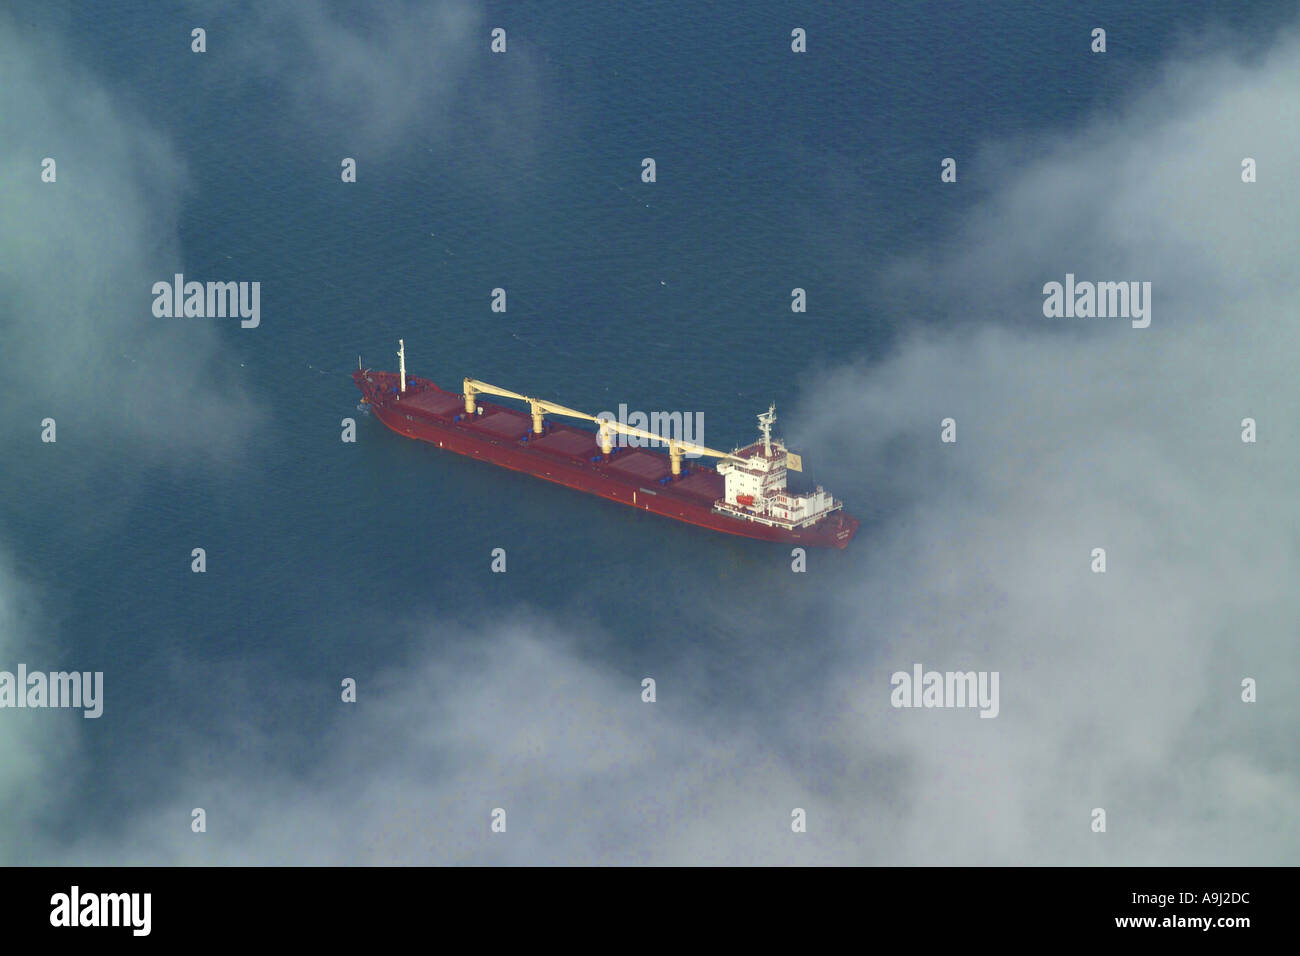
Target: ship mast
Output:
[
  {"x": 401, "y": 363},
  {"x": 765, "y": 420}
]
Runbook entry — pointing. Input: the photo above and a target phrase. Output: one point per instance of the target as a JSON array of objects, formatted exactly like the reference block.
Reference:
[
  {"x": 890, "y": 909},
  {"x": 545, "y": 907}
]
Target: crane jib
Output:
[{"x": 541, "y": 406}]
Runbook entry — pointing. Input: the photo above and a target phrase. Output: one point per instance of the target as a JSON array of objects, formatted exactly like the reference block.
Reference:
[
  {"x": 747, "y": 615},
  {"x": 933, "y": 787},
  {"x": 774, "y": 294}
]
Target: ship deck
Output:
[{"x": 640, "y": 467}]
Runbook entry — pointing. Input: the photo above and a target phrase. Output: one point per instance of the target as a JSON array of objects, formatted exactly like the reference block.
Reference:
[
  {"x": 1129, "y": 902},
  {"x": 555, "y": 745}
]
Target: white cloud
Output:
[
  {"x": 78, "y": 258},
  {"x": 36, "y": 746},
  {"x": 397, "y": 78},
  {"x": 585, "y": 771}
]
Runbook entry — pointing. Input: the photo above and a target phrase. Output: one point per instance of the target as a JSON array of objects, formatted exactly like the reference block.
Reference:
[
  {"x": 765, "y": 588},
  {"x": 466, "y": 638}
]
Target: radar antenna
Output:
[{"x": 765, "y": 420}]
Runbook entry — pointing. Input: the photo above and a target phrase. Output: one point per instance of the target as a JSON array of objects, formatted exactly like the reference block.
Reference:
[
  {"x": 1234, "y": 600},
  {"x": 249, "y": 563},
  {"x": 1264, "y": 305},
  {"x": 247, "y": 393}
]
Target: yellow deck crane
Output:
[{"x": 607, "y": 426}]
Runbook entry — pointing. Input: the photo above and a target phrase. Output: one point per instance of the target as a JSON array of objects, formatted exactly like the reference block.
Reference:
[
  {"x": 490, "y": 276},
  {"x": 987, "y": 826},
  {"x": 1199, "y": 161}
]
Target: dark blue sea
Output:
[{"x": 370, "y": 560}]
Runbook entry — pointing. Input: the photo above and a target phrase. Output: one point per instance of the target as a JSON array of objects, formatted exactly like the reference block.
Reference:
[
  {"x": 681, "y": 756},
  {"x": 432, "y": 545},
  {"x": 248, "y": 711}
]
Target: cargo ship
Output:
[{"x": 744, "y": 494}]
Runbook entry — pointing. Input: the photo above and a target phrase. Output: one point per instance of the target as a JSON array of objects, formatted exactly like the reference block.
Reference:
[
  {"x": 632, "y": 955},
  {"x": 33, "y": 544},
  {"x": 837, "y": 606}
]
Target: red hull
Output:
[{"x": 564, "y": 455}]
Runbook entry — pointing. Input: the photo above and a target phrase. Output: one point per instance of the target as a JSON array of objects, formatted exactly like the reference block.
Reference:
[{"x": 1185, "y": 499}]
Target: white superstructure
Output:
[{"x": 756, "y": 483}]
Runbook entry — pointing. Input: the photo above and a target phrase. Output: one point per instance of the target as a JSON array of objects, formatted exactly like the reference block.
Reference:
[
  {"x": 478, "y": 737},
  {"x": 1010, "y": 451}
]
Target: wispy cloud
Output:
[
  {"x": 36, "y": 746},
  {"x": 393, "y": 78},
  {"x": 77, "y": 260}
]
